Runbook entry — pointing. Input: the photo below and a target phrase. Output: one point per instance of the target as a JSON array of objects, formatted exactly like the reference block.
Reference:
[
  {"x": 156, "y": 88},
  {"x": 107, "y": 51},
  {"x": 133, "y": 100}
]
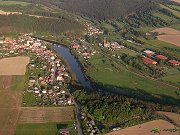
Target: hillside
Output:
[{"x": 101, "y": 9}]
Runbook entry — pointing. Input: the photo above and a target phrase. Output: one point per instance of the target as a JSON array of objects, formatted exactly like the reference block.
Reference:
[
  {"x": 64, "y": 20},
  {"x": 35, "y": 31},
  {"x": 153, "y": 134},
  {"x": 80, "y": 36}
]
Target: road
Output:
[{"x": 78, "y": 117}]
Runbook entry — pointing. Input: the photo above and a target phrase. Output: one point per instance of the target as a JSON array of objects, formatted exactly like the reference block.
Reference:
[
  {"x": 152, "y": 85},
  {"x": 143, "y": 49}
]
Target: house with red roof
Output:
[
  {"x": 174, "y": 62},
  {"x": 162, "y": 57},
  {"x": 149, "y": 61},
  {"x": 75, "y": 46}
]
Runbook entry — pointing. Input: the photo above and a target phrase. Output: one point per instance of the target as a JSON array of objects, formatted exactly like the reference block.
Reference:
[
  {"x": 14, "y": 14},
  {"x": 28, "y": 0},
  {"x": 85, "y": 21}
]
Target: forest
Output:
[
  {"x": 25, "y": 23},
  {"x": 111, "y": 110}
]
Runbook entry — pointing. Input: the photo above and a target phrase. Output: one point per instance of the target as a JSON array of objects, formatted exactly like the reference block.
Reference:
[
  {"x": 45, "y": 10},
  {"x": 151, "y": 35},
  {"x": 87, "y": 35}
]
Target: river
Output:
[{"x": 74, "y": 65}]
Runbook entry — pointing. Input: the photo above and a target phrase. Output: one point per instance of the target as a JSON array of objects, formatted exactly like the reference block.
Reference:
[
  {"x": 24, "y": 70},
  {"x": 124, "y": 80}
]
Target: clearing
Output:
[
  {"x": 168, "y": 35},
  {"x": 46, "y": 114},
  {"x": 146, "y": 128},
  {"x": 14, "y": 65}
]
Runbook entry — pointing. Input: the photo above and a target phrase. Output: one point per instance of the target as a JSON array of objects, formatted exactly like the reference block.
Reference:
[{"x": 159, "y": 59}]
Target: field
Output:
[
  {"x": 178, "y": 1},
  {"x": 176, "y": 13},
  {"x": 168, "y": 35},
  {"x": 145, "y": 129},
  {"x": 108, "y": 75},
  {"x": 172, "y": 116},
  {"x": 13, "y": 65},
  {"x": 45, "y": 114},
  {"x": 10, "y": 101},
  {"x": 3, "y": 2},
  {"x": 43, "y": 129}
]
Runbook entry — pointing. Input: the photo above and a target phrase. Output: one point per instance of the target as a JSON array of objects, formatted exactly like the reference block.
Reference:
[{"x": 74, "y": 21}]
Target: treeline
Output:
[
  {"x": 109, "y": 110},
  {"x": 25, "y": 23},
  {"x": 145, "y": 19}
]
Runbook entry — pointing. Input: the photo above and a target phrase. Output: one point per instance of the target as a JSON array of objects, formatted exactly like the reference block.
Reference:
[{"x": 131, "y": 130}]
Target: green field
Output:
[
  {"x": 165, "y": 17},
  {"x": 3, "y": 2},
  {"x": 126, "y": 51},
  {"x": 173, "y": 11},
  {"x": 43, "y": 129},
  {"x": 18, "y": 83},
  {"x": 108, "y": 75}
]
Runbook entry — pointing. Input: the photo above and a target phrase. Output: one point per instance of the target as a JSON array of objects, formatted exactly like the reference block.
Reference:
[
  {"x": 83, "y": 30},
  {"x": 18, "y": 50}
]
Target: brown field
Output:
[
  {"x": 178, "y": 1},
  {"x": 14, "y": 65},
  {"x": 168, "y": 35},
  {"x": 144, "y": 129},
  {"x": 172, "y": 116},
  {"x": 45, "y": 115},
  {"x": 10, "y": 101}
]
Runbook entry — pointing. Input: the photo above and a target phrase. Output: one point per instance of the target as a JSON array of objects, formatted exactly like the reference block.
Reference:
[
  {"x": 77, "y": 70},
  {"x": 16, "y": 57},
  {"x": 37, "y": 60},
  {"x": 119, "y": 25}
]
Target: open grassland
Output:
[
  {"x": 46, "y": 115},
  {"x": 168, "y": 35},
  {"x": 121, "y": 78},
  {"x": 4, "y": 2},
  {"x": 172, "y": 116},
  {"x": 10, "y": 101},
  {"x": 43, "y": 129},
  {"x": 13, "y": 65},
  {"x": 145, "y": 129}
]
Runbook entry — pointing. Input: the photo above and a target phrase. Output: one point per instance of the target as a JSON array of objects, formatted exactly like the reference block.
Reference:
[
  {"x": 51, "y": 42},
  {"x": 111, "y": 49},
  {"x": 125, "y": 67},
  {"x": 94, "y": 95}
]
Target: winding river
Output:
[{"x": 74, "y": 65}]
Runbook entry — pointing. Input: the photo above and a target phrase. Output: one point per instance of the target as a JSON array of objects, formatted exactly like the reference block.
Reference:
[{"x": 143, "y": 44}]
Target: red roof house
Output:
[
  {"x": 162, "y": 57},
  {"x": 149, "y": 61},
  {"x": 75, "y": 46},
  {"x": 174, "y": 62}
]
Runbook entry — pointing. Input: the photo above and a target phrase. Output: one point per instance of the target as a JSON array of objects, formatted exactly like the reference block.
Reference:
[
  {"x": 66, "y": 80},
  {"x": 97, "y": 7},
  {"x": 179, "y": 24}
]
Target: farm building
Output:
[
  {"x": 174, "y": 62},
  {"x": 162, "y": 57},
  {"x": 149, "y": 61},
  {"x": 149, "y": 52}
]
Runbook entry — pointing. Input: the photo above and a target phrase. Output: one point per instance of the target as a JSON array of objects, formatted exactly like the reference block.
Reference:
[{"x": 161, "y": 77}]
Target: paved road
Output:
[{"x": 78, "y": 117}]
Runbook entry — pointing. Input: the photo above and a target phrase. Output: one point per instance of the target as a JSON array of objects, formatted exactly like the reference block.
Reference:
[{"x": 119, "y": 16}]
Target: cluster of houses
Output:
[
  {"x": 47, "y": 72},
  {"x": 92, "y": 129},
  {"x": 111, "y": 45},
  {"x": 5, "y": 45},
  {"x": 85, "y": 51},
  {"x": 152, "y": 55},
  {"x": 92, "y": 30}
]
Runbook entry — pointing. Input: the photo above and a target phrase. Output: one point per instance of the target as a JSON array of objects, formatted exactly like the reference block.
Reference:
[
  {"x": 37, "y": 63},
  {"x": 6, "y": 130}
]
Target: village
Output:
[{"x": 47, "y": 73}]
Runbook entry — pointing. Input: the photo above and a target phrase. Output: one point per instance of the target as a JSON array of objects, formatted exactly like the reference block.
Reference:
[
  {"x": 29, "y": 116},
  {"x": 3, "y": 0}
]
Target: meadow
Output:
[{"x": 107, "y": 74}]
